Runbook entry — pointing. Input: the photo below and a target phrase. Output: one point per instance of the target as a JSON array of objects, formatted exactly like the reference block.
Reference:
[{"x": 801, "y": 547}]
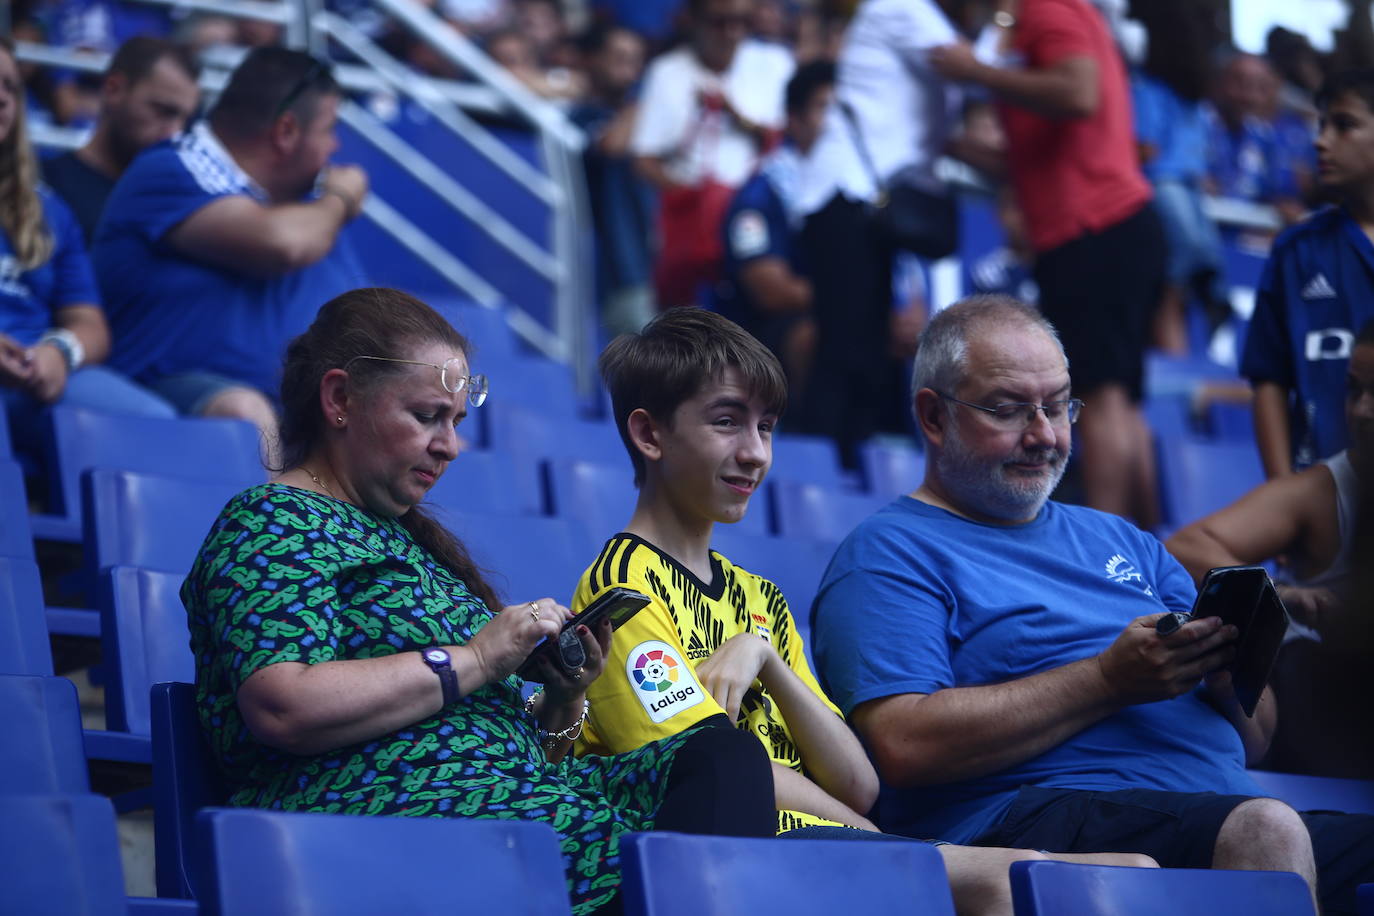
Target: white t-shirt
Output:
[
  {"x": 904, "y": 110},
  {"x": 676, "y": 124}
]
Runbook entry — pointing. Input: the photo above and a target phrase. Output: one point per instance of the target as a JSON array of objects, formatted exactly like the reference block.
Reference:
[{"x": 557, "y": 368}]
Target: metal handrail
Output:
[
  {"x": 449, "y": 191},
  {"x": 428, "y": 96}
]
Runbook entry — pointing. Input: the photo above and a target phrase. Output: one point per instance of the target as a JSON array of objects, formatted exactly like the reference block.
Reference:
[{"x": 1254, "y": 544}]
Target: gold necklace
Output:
[{"x": 319, "y": 482}]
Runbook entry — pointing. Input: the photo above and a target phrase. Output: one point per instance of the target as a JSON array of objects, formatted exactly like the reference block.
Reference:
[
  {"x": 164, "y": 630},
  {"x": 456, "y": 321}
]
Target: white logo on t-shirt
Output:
[
  {"x": 661, "y": 680},
  {"x": 1122, "y": 572}
]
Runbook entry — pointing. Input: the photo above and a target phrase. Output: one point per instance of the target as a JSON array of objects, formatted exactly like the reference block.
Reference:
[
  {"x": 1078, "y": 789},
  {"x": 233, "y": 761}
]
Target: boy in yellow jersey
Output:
[{"x": 696, "y": 400}]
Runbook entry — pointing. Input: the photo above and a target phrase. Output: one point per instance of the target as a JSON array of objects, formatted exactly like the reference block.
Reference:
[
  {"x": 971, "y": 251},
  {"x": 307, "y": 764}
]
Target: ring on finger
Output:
[
  {"x": 576, "y": 674},
  {"x": 534, "y": 611}
]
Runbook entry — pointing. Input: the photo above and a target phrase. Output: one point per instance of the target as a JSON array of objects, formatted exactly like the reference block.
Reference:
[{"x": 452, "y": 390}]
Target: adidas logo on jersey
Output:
[{"x": 1318, "y": 288}]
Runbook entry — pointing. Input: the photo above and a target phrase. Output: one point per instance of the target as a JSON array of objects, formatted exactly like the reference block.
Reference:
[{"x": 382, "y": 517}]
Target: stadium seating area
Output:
[
  {"x": 532, "y": 476},
  {"x": 542, "y": 466}
]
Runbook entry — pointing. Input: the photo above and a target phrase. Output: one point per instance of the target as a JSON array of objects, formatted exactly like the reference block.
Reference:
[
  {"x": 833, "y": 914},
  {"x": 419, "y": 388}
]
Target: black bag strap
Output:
[{"x": 851, "y": 119}]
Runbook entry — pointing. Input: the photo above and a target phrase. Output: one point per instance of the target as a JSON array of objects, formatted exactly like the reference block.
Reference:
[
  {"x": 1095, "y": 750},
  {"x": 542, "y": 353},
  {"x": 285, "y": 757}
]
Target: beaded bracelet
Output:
[{"x": 571, "y": 733}]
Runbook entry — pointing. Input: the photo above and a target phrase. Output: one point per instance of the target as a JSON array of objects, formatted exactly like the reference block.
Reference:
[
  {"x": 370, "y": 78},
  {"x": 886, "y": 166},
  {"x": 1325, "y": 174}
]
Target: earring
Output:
[{"x": 339, "y": 420}]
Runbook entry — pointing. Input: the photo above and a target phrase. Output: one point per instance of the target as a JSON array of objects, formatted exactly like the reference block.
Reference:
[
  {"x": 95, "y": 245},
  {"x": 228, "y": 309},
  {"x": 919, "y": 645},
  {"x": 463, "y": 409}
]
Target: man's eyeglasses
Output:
[
  {"x": 307, "y": 79},
  {"x": 450, "y": 376},
  {"x": 1020, "y": 414}
]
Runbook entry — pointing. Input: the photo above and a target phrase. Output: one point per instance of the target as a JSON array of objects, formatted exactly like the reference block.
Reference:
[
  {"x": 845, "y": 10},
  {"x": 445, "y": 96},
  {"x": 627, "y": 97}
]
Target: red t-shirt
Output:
[{"x": 1072, "y": 175}]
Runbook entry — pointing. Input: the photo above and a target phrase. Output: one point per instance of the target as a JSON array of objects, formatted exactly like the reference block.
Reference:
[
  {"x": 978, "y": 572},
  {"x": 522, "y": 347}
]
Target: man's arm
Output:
[
  {"x": 242, "y": 235},
  {"x": 967, "y": 732},
  {"x": 1067, "y": 88},
  {"x": 1267, "y": 521},
  {"x": 771, "y": 282},
  {"x": 1272, "y": 433},
  {"x": 653, "y": 169}
]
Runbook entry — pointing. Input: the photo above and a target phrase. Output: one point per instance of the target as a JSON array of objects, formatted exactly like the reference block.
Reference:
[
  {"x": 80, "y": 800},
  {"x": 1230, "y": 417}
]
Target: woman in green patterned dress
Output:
[{"x": 351, "y": 658}]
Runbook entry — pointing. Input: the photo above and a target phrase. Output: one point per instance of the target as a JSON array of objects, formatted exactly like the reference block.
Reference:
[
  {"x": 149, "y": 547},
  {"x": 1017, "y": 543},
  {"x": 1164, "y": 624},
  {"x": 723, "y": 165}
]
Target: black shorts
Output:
[
  {"x": 1100, "y": 291},
  {"x": 1178, "y": 829}
]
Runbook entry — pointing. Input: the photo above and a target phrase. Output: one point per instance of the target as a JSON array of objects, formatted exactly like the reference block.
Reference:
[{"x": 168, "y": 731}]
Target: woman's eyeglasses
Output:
[{"x": 450, "y": 376}]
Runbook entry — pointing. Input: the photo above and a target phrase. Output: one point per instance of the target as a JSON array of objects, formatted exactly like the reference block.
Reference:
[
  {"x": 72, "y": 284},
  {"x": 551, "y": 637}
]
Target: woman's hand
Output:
[
  {"x": 563, "y": 688},
  {"x": 504, "y": 643},
  {"x": 16, "y": 366},
  {"x": 732, "y": 669},
  {"x": 49, "y": 375}
]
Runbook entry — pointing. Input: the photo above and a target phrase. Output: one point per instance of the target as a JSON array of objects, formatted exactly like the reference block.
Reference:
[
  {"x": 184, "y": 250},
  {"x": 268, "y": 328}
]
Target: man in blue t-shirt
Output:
[
  {"x": 763, "y": 289},
  {"x": 218, "y": 247},
  {"x": 1316, "y": 292},
  {"x": 148, "y": 93},
  {"x": 997, "y": 652}
]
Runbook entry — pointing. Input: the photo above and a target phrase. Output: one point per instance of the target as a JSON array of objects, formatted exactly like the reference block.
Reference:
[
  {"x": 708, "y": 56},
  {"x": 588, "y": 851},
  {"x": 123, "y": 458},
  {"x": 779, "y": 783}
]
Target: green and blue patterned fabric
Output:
[{"x": 289, "y": 575}]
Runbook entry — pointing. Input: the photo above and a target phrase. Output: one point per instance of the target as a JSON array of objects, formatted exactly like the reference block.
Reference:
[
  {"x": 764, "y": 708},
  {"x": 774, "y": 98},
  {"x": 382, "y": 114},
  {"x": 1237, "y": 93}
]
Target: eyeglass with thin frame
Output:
[
  {"x": 1020, "y": 414},
  {"x": 307, "y": 79},
  {"x": 450, "y": 376}
]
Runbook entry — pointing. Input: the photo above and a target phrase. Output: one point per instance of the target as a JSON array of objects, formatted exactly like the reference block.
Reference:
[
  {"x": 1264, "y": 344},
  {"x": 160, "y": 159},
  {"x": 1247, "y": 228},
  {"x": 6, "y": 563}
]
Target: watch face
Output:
[{"x": 436, "y": 656}]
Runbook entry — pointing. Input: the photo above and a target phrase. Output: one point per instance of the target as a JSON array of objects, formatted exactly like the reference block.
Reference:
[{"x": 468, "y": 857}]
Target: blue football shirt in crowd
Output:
[
  {"x": 28, "y": 298},
  {"x": 1174, "y": 127},
  {"x": 1247, "y": 163},
  {"x": 1316, "y": 292},
  {"x": 918, "y": 599},
  {"x": 761, "y": 222},
  {"x": 171, "y": 314}
]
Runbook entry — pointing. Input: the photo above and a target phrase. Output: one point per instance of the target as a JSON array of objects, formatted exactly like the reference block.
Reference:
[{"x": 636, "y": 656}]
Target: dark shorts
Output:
[
  {"x": 1178, "y": 829},
  {"x": 1100, "y": 291}
]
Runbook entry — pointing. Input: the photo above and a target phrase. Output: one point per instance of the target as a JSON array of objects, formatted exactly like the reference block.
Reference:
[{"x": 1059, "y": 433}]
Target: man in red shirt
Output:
[{"x": 1100, "y": 255}]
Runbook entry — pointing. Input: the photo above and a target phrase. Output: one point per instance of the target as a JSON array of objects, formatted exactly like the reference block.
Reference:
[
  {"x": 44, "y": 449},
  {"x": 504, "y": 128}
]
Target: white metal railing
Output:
[{"x": 562, "y": 261}]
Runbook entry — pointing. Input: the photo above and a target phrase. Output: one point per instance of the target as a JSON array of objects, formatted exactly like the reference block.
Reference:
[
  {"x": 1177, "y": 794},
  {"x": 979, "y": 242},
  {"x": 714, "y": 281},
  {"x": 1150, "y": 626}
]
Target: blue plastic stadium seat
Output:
[
  {"x": 1058, "y": 888},
  {"x": 530, "y": 434},
  {"x": 891, "y": 469},
  {"x": 1171, "y": 375},
  {"x": 1318, "y": 793},
  {"x": 483, "y": 481},
  {"x": 1231, "y": 422},
  {"x": 42, "y": 750},
  {"x": 809, "y": 510},
  {"x": 80, "y": 440},
  {"x": 269, "y": 863},
  {"x": 60, "y": 854},
  {"x": 16, "y": 538},
  {"x": 527, "y": 557},
  {"x": 486, "y": 329},
  {"x": 6, "y": 448},
  {"x": 810, "y": 458},
  {"x": 795, "y": 565},
  {"x": 534, "y": 382},
  {"x": 602, "y": 497},
  {"x": 669, "y": 874},
  {"x": 144, "y": 641},
  {"x": 1199, "y": 477},
  {"x": 150, "y": 520},
  {"x": 23, "y": 631},
  {"x": 186, "y": 778}
]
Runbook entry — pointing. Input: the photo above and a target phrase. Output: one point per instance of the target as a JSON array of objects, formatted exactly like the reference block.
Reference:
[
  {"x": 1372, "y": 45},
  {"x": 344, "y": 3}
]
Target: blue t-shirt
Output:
[
  {"x": 1316, "y": 292},
  {"x": 918, "y": 599},
  {"x": 171, "y": 314},
  {"x": 1247, "y": 163},
  {"x": 1174, "y": 127},
  {"x": 28, "y": 298}
]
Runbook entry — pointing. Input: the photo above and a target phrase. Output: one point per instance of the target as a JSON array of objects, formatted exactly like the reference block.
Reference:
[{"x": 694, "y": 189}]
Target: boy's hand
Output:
[{"x": 732, "y": 669}]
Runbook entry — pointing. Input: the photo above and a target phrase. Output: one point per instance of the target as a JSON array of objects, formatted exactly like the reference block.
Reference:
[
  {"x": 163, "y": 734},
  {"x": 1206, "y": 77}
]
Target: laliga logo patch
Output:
[{"x": 661, "y": 681}]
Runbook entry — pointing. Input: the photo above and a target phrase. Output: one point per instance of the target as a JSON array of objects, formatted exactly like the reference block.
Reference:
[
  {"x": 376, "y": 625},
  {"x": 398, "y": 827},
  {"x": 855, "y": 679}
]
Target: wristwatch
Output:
[{"x": 440, "y": 663}]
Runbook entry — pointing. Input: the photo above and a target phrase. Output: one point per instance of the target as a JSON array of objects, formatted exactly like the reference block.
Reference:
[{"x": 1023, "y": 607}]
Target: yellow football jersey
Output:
[{"x": 649, "y": 689}]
